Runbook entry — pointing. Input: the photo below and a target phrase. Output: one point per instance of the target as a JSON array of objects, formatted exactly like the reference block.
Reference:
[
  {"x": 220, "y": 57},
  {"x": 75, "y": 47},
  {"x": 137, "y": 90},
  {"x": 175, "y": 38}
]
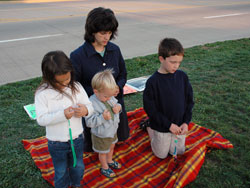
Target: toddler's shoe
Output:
[
  {"x": 115, "y": 165},
  {"x": 108, "y": 173}
]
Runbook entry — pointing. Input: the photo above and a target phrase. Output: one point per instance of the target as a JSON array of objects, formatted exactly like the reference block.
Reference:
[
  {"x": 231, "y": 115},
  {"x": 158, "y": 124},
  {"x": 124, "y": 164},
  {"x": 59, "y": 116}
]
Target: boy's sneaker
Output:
[{"x": 144, "y": 124}]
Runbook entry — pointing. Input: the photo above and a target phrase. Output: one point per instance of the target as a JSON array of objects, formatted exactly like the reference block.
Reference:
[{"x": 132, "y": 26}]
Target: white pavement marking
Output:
[
  {"x": 219, "y": 16},
  {"x": 29, "y": 38}
]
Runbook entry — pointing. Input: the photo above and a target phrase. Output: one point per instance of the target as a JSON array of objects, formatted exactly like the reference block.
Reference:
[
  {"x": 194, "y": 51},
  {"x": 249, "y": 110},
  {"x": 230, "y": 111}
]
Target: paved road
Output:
[{"x": 29, "y": 30}]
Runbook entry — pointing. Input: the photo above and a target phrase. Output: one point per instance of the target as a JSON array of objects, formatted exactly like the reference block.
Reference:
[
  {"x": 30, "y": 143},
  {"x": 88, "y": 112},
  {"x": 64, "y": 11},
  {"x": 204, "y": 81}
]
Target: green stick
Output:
[{"x": 72, "y": 145}]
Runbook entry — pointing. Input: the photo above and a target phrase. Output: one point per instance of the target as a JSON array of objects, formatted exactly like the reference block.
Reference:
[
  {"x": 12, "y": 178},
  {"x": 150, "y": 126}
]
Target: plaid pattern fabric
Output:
[{"x": 140, "y": 168}]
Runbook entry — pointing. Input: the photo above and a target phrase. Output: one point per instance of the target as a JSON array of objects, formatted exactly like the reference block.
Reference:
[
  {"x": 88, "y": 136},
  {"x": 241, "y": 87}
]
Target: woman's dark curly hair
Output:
[{"x": 100, "y": 19}]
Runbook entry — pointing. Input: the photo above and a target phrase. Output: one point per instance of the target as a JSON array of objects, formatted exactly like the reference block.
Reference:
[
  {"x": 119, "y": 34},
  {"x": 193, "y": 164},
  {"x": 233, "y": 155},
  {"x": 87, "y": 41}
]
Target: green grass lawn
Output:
[{"x": 220, "y": 76}]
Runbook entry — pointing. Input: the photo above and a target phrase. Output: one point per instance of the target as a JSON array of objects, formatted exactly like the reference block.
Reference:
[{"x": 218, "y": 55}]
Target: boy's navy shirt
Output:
[{"x": 168, "y": 98}]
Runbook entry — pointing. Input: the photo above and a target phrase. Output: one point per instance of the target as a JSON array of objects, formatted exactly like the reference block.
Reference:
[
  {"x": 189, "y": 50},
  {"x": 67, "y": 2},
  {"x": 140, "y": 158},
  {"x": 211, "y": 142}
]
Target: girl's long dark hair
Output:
[{"x": 57, "y": 63}]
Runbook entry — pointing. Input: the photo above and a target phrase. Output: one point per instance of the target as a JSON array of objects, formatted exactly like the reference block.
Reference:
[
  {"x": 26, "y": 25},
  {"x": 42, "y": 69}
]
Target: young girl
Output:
[
  {"x": 104, "y": 121},
  {"x": 60, "y": 105}
]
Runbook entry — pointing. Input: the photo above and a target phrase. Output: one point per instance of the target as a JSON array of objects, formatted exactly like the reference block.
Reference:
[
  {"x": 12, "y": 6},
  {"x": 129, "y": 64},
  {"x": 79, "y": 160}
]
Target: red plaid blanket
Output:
[{"x": 140, "y": 168}]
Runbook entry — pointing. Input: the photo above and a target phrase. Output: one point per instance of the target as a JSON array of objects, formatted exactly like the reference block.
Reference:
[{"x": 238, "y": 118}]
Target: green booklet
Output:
[{"x": 31, "y": 110}]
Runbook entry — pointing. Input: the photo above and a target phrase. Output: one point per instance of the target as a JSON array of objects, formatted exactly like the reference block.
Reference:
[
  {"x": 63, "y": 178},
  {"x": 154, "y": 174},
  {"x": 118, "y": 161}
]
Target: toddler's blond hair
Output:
[{"x": 104, "y": 80}]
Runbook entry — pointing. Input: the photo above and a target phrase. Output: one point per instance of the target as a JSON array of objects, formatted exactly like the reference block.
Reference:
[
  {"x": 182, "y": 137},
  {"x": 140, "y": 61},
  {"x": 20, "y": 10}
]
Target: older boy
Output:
[{"x": 168, "y": 101}]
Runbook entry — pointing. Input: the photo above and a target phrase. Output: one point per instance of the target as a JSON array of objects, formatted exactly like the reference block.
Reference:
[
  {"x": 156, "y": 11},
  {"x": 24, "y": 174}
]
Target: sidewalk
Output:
[{"x": 31, "y": 28}]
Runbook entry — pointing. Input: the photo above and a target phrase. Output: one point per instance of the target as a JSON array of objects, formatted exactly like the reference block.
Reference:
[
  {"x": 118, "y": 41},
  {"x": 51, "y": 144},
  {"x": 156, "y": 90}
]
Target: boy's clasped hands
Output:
[
  {"x": 182, "y": 130},
  {"x": 106, "y": 114},
  {"x": 78, "y": 111}
]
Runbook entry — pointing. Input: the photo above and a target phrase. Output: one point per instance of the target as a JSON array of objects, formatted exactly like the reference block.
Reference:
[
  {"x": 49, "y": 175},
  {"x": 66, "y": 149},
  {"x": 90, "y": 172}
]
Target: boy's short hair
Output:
[
  {"x": 104, "y": 80},
  {"x": 170, "y": 47},
  {"x": 100, "y": 19}
]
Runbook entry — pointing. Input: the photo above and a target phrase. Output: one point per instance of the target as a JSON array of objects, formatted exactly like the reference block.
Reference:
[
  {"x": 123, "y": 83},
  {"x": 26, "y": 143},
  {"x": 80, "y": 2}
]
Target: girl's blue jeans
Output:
[{"x": 62, "y": 157}]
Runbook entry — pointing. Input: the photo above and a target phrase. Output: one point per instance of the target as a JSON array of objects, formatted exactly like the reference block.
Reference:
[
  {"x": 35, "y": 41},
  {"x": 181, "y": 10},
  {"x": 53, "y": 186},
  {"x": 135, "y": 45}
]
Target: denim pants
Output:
[{"x": 62, "y": 157}]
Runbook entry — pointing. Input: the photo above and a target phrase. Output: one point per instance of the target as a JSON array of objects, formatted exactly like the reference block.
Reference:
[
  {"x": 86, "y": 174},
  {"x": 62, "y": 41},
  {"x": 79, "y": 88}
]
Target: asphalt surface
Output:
[{"x": 29, "y": 30}]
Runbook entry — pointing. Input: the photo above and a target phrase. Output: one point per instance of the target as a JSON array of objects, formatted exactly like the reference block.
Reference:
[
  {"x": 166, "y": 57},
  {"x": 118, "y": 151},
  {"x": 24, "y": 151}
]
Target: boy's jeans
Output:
[{"x": 61, "y": 153}]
